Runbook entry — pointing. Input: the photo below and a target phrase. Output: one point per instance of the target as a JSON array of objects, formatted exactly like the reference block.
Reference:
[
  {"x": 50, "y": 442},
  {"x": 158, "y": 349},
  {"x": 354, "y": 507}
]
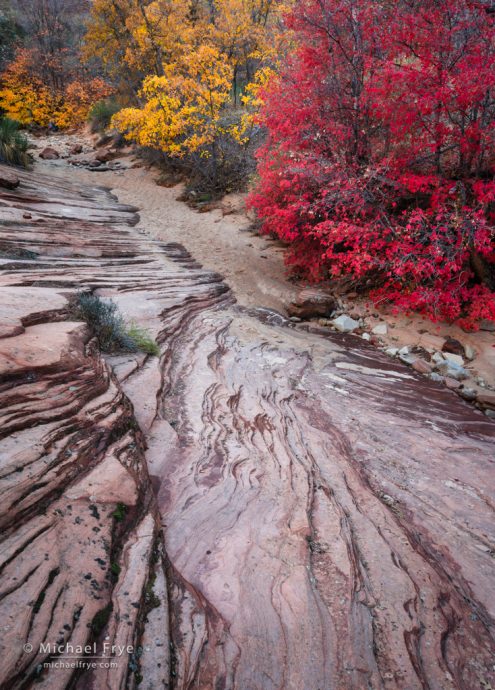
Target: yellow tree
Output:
[{"x": 182, "y": 109}]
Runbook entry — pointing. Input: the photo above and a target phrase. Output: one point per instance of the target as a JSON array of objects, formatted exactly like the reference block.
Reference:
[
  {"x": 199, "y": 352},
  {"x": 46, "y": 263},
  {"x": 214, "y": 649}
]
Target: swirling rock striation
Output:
[{"x": 301, "y": 512}]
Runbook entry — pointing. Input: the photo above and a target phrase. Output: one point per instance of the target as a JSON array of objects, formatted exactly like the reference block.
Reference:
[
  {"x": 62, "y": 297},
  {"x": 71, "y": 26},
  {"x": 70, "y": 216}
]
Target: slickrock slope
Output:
[{"x": 302, "y": 513}]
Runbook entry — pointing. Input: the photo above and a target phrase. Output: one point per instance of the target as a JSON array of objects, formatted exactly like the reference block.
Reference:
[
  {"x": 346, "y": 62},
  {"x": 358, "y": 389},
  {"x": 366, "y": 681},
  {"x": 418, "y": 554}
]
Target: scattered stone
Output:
[
  {"x": 8, "y": 179},
  {"x": 407, "y": 359},
  {"x": 457, "y": 359},
  {"x": 451, "y": 383},
  {"x": 438, "y": 358},
  {"x": 467, "y": 393},
  {"x": 345, "y": 324},
  {"x": 380, "y": 329},
  {"x": 366, "y": 336},
  {"x": 311, "y": 302},
  {"x": 469, "y": 352},
  {"x": 436, "y": 377},
  {"x": 49, "y": 154},
  {"x": 486, "y": 399},
  {"x": 406, "y": 350},
  {"x": 487, "y": 325},
  {"x": 76, "y": 150},
  {"x": 431, "y": 342},
  {"x": 295, "y": 319},
  {"x": 421, "y": 366},
  {"x": 452, "y": 370},
  {"x": 453, "y": 346},
  {"x": 392, "y": 351}
]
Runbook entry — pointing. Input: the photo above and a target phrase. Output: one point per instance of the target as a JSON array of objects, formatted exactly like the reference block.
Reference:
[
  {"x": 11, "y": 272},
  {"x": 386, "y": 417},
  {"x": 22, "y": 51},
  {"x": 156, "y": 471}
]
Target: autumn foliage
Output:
[
  {"x": 195, "y": 67},
  {"x": 26, "y": 97},
  {"x": 46, "y": 80},
  {"x": 380, "y": 156}
]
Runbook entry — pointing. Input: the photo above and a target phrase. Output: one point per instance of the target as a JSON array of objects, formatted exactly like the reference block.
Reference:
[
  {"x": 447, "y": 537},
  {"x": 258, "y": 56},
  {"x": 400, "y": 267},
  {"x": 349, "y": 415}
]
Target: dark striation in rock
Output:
[{"x": 327, "y": 514}]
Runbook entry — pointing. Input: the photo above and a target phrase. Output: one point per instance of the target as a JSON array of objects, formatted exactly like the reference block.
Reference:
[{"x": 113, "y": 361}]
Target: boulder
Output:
[
  {"x": 453, "y": 346},
  {"x": 311, "y": 302},
  {"x": 8, "y": 179},
  {"x": 457, "y": 359},
  {"x": 49, "y": 154},
  {"x": 486, "y": 399},
  {"x": 76, "y": 149},
  {"x": 421, "y": 366},
  {"x": 452, "y": 370},
  {"x": 345, "y": 324}
]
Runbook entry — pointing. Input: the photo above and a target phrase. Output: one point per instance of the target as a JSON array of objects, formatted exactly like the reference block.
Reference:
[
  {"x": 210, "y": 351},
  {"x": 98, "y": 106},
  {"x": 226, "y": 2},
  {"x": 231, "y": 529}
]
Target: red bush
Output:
[{"x": 380, "y": 154}]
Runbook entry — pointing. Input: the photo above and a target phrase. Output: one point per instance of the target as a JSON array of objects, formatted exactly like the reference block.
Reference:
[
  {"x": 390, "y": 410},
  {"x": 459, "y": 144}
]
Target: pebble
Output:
[
  {"x": 345, "y": 324},
  {"x": 380, "y": 329}
]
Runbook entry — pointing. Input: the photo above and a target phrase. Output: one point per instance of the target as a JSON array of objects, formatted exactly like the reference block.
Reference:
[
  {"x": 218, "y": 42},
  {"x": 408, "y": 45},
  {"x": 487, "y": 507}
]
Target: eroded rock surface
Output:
[{"x": 301, "y": 512}]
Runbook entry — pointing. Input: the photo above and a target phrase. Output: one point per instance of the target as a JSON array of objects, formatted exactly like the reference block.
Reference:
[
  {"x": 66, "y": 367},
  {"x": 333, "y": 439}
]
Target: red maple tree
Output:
[{"x": 380, "y": 154}]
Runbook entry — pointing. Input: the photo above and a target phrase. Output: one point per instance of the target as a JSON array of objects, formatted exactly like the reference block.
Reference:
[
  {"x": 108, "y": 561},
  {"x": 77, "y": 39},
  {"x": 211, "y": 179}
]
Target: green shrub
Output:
[
  {"x": 13, "y": 143},
  {"x": 143, "y": 340},
  {"x": 108, "y": 326},
  {"x": 101, "y": 113}
]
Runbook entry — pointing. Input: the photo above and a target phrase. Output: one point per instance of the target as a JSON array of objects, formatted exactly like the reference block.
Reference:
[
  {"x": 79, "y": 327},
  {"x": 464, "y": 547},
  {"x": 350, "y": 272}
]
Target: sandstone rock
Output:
[
  {"x": 469, "y": 352},
  {"x": 76, "y": 150},
  {"x": 431, "y": 342},
  {"x": 421, "y": 366},
  {"x": 345, "y": 324},
  {"x": 452, "y": 370},
  {"x": 8, "y": 178},
  {"x": 312, "y": 303},
  {"x": 49, "y": 154},
  {"x": 457, "y": 359},
  {"x": 453, "y": 346},
  {"x": 451, "y": 383},
  {"x": 380, "y": 329},
  {"x": 487, "y": 399},
  {"x": 106, "y": 155}
]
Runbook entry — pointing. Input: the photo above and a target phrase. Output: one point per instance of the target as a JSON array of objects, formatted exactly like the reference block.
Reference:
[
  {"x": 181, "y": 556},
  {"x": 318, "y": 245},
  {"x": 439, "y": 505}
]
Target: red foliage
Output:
[{"x": 380, "y": 154}]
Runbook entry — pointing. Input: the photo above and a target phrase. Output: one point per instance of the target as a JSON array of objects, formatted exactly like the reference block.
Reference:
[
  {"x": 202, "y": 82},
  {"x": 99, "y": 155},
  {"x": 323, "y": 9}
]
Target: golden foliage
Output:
[
  {"x": 194, "y": 61},
  {"x": 25, "y": 98}
]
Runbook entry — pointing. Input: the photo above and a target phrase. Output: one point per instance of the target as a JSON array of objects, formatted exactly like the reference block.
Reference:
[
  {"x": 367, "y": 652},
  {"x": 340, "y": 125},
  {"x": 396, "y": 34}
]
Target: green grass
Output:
[
  {"x": 13, "y": 143},
  {"x": 143, "y": 340},
  {"x": 108, "y": 326}
]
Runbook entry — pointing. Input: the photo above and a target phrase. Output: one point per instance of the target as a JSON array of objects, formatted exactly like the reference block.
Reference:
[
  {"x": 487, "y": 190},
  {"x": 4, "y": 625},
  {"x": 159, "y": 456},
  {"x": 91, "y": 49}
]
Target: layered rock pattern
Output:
[{"x": 327, "y": 515}]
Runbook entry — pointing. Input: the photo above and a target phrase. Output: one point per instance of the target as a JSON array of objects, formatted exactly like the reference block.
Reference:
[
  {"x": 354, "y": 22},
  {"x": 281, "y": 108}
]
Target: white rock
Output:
[
  {"x": 438, "y": 358},
  {"x": 392, "y": 351},
  {"x": 366, "y": 336},
  {"x": 404, "y": 350},
  {"x": 345, "y": 324},
  {"x": 469, "y": 352},
  {"x": 380, "y": 329},
  {"x": 457, "y": 359},
  {"x": 453, "y": 370}
]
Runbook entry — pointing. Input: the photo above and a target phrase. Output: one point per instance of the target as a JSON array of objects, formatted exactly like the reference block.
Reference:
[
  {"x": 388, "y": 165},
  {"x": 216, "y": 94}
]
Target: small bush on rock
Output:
[{"x": 108, "y": 326}]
